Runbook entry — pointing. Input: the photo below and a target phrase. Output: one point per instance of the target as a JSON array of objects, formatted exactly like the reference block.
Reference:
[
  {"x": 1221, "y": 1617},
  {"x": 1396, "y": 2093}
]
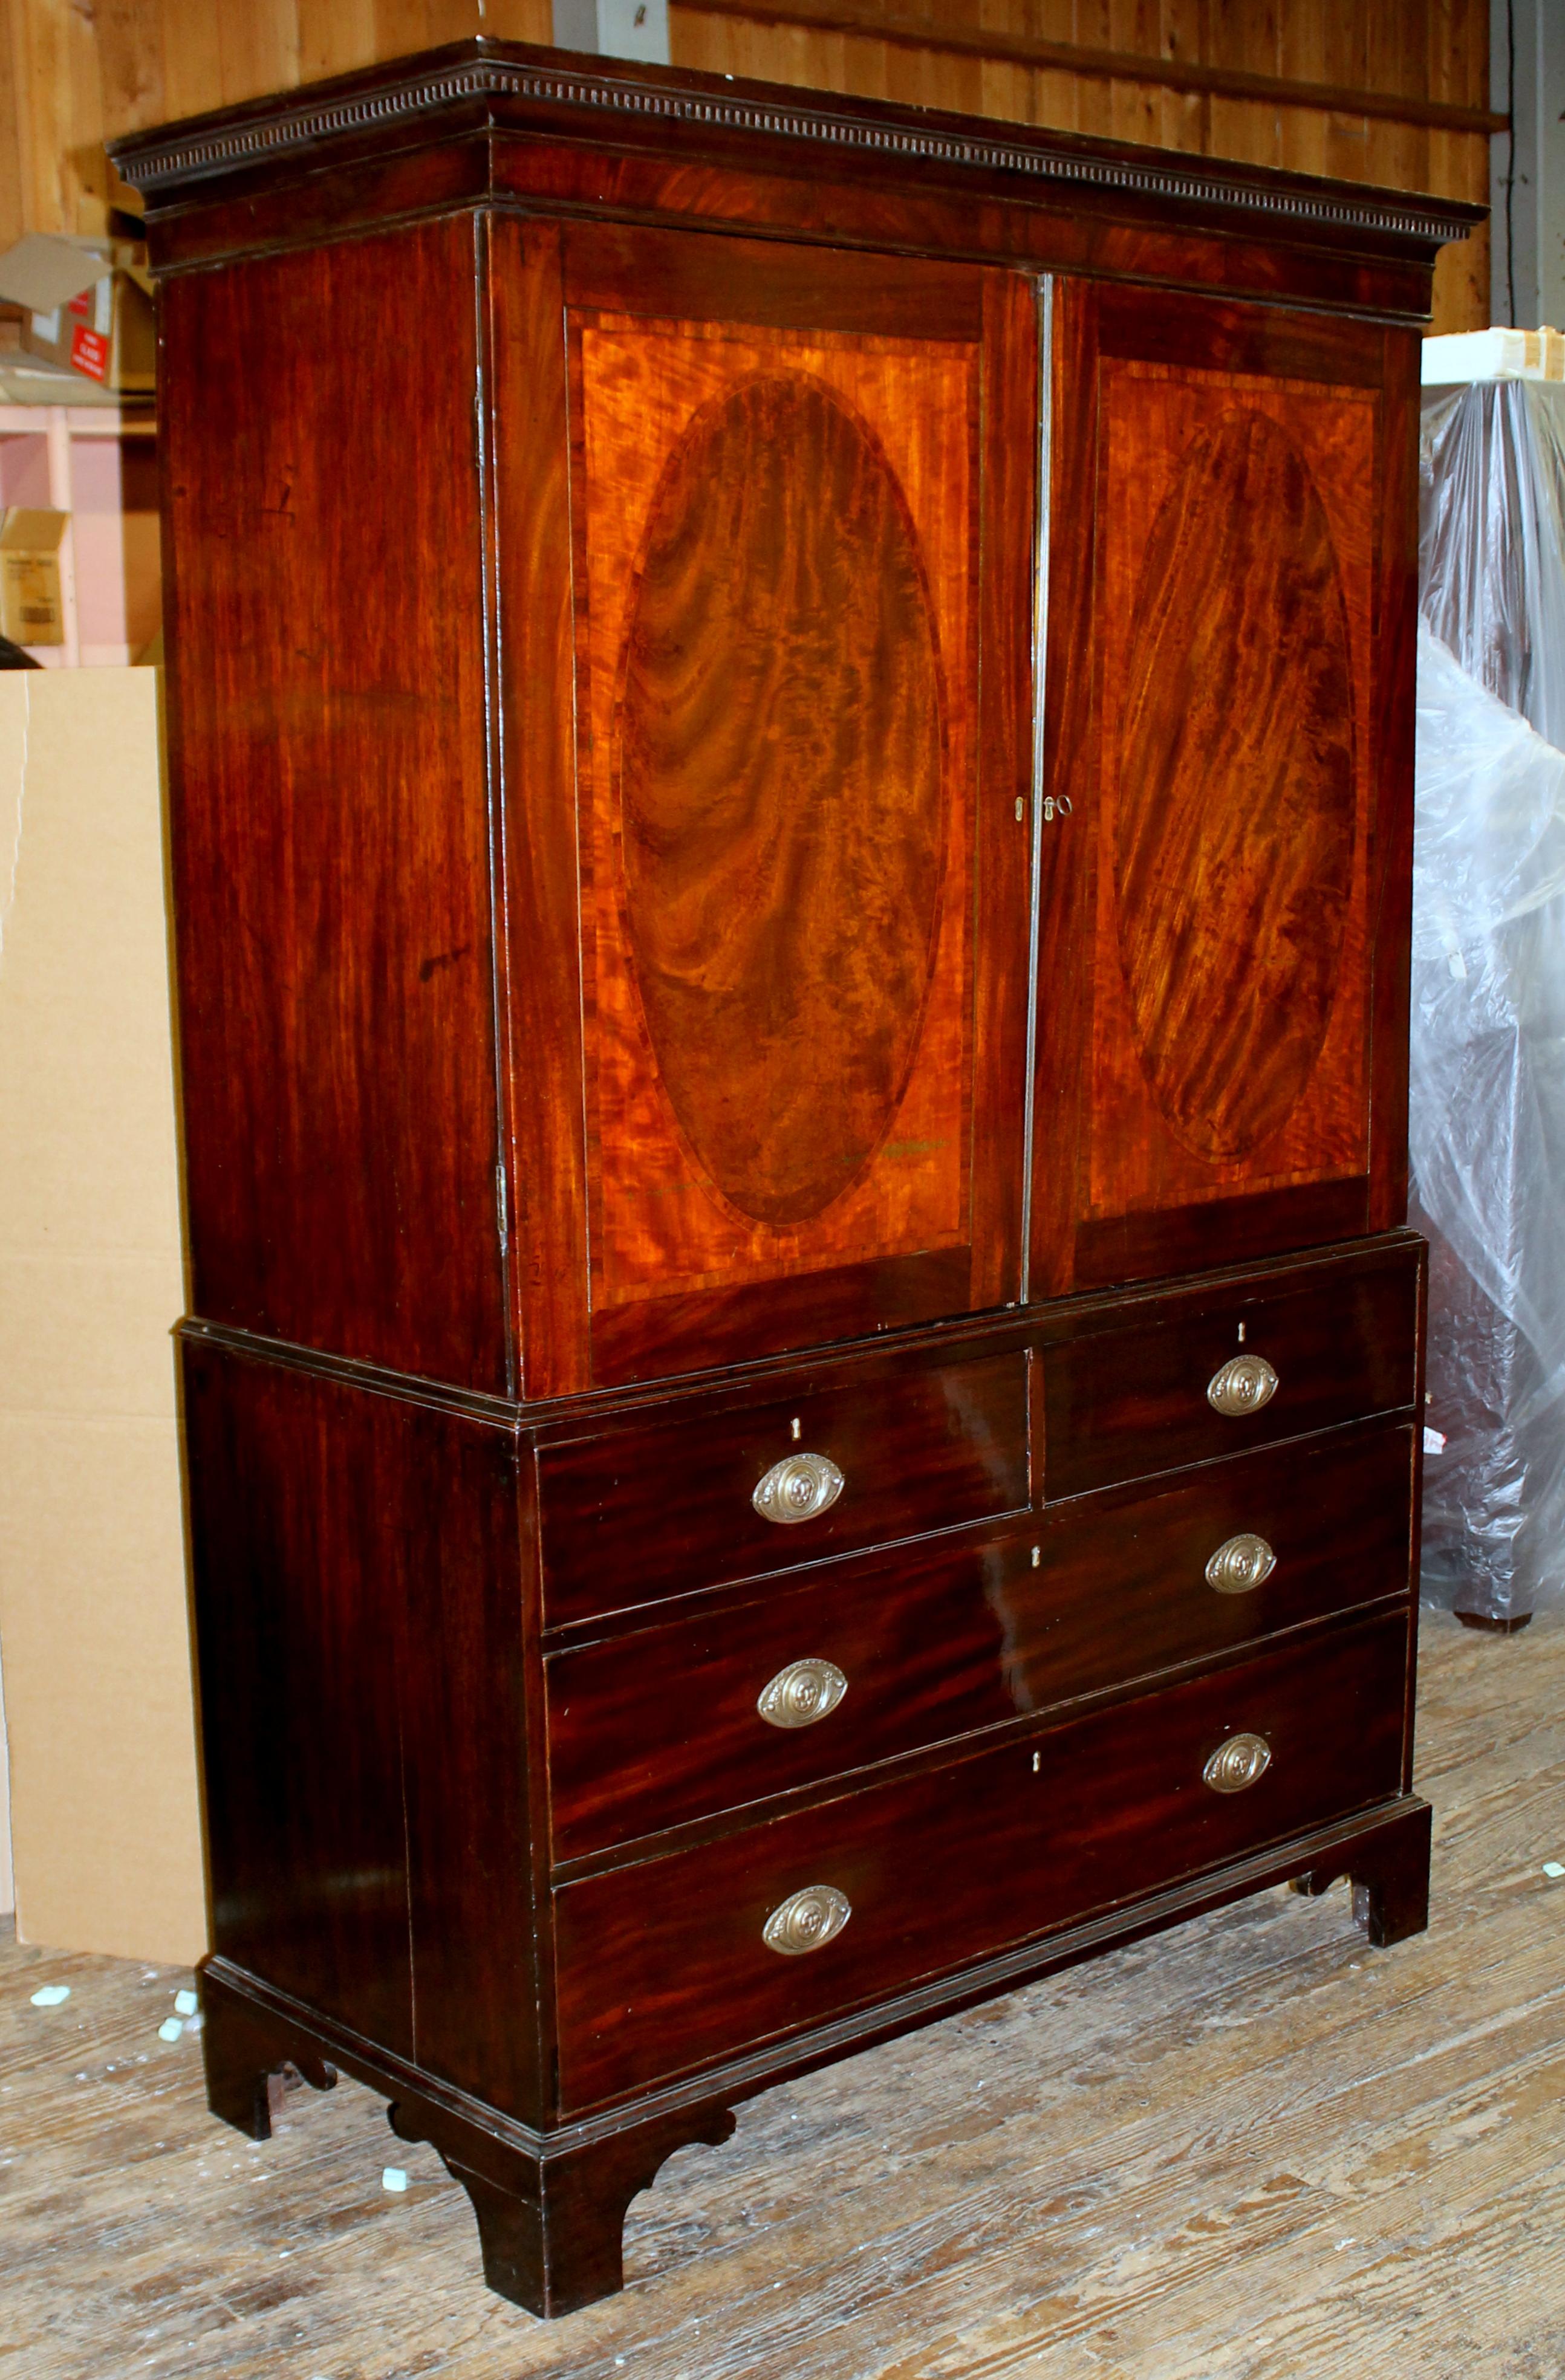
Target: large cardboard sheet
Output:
[{"x": 95, "y": 1640}]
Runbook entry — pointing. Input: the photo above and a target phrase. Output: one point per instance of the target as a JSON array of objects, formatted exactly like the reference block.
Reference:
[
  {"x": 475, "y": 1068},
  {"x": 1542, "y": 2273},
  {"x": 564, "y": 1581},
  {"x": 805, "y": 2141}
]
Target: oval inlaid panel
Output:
[
  {"x": 781, "y": 753},
  {"x": 1234, "y": 837}
]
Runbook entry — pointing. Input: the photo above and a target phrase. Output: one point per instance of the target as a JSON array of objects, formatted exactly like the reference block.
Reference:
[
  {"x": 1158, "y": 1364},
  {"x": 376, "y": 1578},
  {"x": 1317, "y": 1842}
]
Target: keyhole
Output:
[
  {"x": 1035, "y": 1557},
  {"x": 1241, "y": 1334},
  {"x": 793, "y": 1430},
  {"x": 1036, "y": 1758}
]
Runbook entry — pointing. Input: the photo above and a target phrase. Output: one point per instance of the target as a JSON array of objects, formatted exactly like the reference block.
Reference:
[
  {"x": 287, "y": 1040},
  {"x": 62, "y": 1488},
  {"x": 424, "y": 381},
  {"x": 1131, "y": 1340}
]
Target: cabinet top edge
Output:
[{"x": 597, "y": 103}]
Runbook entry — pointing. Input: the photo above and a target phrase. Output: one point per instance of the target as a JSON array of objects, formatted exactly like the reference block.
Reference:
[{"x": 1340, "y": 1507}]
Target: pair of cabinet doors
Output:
[{"x": 991, "y": 748}]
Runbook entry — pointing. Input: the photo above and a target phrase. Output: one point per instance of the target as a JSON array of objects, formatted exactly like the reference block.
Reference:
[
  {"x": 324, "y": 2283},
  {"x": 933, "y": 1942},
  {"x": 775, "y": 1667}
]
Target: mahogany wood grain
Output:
[
  {"x": 660, "y": 1728},
  {"x": 272, "y": 209},
  {"x": 1231, "y": 858},
  {"x": 1232, "y": 806},
  {"x": 357, "y": 1624},
  {"x": 1065, "y": 850},
  {"x": 1225, "y": 779},
  {"x": 661, "y": 1511},
  {"x": 655, "y": 1337},
  {"x": 1124, "y": 1403},
  {"x": 1217, "y": 1231},
  {"x": 1009, "y": 468},
  {"x": 540, "y": 947},
  {"x": 879, "y": 165},
  {"x": 771, "y": 517},
  {"x": 254, "y": 2031},
  {"x": 782, "y": 799},
  {"x": 662, "y": 1967},
  {"x": 1394, "y": 737},
  {"x": 600, "y": 716},
  {"x": 328, "y": 805}
]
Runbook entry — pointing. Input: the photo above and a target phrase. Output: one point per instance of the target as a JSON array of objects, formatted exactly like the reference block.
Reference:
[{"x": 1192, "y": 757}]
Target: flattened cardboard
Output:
[{"x": 94, "y": 1639}]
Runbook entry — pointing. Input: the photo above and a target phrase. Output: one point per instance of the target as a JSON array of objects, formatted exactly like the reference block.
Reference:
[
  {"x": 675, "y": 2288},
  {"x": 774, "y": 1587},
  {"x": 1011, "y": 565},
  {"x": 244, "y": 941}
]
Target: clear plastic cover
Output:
[
  {"x": 1486, "y": 1126},
  {"x": 1491, "y": 546}
]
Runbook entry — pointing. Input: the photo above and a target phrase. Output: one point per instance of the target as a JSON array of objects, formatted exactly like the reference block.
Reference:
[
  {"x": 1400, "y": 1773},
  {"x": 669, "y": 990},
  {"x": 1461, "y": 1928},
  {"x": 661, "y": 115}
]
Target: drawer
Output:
[
  {"x": 1123, "y": 1402},
  {"x": 664, "y": 1966},
  {"x": 656, "y": 1729},
  {"x": 642, "y": 1514}
]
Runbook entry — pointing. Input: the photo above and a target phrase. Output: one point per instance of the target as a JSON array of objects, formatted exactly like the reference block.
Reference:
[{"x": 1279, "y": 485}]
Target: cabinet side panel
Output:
[
  {"x": 358, "y": 1628},
  {"x": 329, "y": 801},
  {"x": 532, "y": 532}
]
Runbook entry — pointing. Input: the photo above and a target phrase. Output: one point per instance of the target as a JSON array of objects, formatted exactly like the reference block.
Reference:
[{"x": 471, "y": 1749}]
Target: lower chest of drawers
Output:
[
  {"x": 1162, "y": 1627},
  {"x": 673, "y": 1963}
]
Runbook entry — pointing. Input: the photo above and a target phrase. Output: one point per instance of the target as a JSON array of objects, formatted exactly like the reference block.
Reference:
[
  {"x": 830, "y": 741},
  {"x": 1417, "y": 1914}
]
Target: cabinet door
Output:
[
  {"x": 1225, "y": 842},
  {"x": 800, "y": 495}
]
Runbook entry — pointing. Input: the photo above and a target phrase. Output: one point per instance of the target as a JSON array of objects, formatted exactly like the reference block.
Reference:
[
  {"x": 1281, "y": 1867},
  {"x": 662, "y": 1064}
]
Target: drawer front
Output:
[
  {"x": 646, "y": 1513},
  {"x": 1124, "y": 1402},
  {"x": 651, "y": 1730},
  {"x": 663, "y": 1966}
]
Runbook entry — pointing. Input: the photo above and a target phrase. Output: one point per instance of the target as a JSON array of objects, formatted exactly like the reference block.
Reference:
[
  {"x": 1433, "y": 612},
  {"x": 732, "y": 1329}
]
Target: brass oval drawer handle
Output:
[
  {"x": 1241, "y": 1761},
  {"x": 799, "y": 1488},
  {"x": 806, "y": 1919},
  {"x": 801, "y": 1694},
  {"x": 1241, "y": 1564},
  {"x": 1242, "y": 1386}
]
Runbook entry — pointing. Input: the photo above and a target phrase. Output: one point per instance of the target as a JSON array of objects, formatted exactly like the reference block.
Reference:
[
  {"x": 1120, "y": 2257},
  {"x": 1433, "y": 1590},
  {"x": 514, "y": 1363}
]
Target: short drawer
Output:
[
  {"x": 642, "y": 1514},
  {"x": 1125, "y": 1402},
  {"x": 665, "y": 1965},
  {"x": 757, "y": 1695}
]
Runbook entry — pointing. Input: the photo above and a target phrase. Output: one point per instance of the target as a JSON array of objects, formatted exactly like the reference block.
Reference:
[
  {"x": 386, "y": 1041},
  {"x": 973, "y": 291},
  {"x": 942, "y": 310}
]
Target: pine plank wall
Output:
[{"x": 1402, "y": 84}]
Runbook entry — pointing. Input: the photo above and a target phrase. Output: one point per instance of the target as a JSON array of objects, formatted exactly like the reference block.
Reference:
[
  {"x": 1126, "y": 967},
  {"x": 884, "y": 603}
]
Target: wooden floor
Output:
[{"x": 1253, "y": 2148}]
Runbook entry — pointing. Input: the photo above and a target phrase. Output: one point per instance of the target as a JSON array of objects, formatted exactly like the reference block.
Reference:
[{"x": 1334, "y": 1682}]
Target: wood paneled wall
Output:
[{"x": 75, "y": 72}]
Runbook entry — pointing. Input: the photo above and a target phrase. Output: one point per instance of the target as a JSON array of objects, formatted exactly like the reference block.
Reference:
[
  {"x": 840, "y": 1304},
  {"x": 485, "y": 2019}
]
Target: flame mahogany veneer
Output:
[{"x": 790, "y": 746}]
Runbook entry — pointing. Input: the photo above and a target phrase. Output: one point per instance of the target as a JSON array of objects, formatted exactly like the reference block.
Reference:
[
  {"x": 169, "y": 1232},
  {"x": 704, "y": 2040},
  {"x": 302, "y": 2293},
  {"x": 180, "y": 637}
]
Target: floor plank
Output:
[{"x": 1249, "y": 2150}]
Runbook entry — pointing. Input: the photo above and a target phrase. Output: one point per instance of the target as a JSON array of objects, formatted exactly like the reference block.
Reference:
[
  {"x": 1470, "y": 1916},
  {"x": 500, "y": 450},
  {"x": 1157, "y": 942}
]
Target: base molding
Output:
[{"x": 550, "y": 2201}]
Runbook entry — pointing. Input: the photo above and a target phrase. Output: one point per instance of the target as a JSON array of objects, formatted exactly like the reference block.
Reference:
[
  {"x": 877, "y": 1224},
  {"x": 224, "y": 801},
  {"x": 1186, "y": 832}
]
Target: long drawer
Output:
[
  {"x": 1124, "y": 1402},
  {"x": 755, "y": 1696},
  {"x": 665, "y": 1965},
  {"x": 638, "y": 1514}
]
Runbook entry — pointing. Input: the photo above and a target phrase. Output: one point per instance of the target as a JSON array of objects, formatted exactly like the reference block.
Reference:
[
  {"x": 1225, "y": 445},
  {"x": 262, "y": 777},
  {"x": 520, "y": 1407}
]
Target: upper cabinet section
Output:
[
  {"x": 800, "y": 499},
  {"x": 627, "y": 922},
  {"x": 1225, "y": 850}
]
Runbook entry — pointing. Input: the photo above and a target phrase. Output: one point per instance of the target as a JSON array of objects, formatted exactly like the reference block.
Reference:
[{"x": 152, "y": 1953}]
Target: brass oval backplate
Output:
[
  {"x": 1241, "y": 1762},
  {"x": 1241, "y": 1564},
  {"x": 1242, "y": 1386},
  {"x": 801, "y": 1694},
  {"x": 799, "y": 1488},
  {"x": 807, "y": 1920}
]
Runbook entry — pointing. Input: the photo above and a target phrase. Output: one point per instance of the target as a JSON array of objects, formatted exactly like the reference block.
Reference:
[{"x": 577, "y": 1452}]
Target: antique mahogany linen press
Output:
[{"x": 791, "y": 726}]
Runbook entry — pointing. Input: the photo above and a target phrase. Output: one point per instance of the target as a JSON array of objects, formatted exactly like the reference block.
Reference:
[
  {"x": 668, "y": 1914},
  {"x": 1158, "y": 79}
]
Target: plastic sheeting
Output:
[
  {"x": 1486, "y": 1128},
  {"x": 1486, "y": 1139},
  {"x": 1491, "y": 542}
]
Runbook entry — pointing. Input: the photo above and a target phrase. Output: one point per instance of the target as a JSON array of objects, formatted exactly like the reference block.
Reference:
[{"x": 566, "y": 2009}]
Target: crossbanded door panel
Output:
[
  {"x": 1222, "y": 1070},
  {"x": 802, "y": 983}
]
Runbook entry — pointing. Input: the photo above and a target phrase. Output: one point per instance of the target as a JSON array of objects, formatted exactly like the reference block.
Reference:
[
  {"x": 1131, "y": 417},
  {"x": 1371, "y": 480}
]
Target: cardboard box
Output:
[
  {"x": 89, "y": 309},
  {"x": 31, "y": 609},
  {"x": 94, "y": 1636},
  {"x": 107, "y": 333}
]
